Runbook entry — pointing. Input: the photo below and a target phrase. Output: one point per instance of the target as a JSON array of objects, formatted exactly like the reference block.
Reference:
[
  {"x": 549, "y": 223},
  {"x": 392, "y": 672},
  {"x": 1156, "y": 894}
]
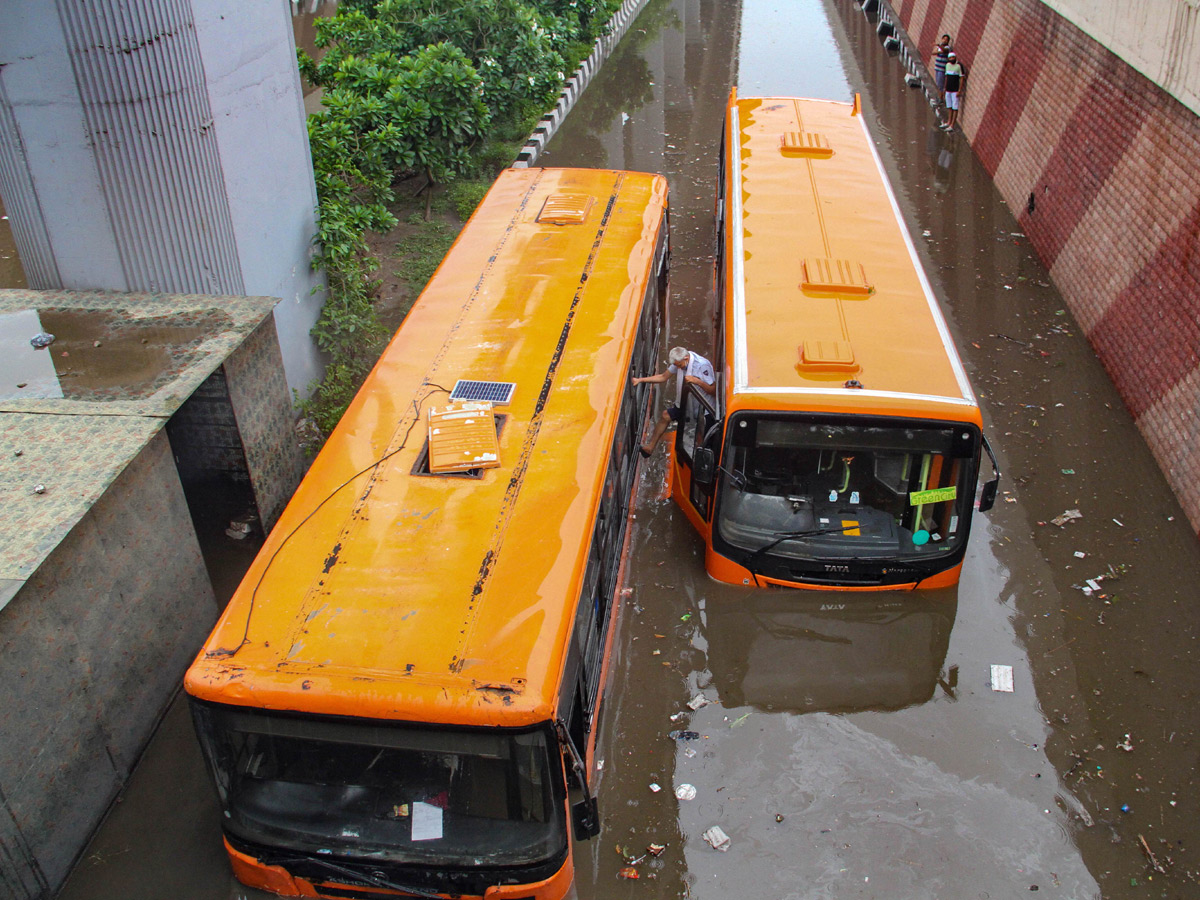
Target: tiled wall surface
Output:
[
  {"x": 1103, "y": 168},
  {"x": 259, "y": 395},
  {"x": 92, "y": 647}
]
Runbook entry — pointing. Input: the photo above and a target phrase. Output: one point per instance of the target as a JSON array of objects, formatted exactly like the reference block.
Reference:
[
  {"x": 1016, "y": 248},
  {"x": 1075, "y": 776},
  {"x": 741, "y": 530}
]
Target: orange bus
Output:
[
  {"x": 401, "y": 697},
  {"x": 842, "y": 447}
]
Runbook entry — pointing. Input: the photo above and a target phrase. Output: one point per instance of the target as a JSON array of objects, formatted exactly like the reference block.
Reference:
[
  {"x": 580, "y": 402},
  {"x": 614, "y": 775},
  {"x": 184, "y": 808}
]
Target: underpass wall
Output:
[
  {"x": 92, "y": 648},
  {"x": 1101, "y": 166}
]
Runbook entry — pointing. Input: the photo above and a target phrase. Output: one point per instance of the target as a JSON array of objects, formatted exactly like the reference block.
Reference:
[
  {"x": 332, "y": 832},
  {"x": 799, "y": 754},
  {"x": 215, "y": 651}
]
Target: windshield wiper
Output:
[
  {"x": 788, "y": 535},
  {"x": 347, "y": 872}
]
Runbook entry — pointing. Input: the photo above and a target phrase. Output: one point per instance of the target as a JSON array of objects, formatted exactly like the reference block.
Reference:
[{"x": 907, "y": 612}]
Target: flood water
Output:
[
  {"x": 11, "y": 274},
  {"x": 852, "y": 745}
]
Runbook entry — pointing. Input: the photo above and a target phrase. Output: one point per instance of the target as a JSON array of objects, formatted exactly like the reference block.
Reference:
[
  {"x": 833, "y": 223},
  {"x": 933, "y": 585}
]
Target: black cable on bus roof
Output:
[{"x": 416, "y": 405}]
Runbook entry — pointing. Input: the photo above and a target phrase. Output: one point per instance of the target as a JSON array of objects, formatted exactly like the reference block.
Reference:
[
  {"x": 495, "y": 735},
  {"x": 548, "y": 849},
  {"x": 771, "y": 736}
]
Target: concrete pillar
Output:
[{"x": 160, "y": 145}]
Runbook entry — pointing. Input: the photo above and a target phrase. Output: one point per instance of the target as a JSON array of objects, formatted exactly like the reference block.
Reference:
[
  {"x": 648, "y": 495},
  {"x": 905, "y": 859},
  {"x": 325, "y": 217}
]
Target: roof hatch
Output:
[
  {"x": 462, "y": 436},
  {"x": 565, "y": 209},
  {"x": 835, "y": 276},
  {"x": 828, "y": 356},
  {"x": 805, "y": 143}
]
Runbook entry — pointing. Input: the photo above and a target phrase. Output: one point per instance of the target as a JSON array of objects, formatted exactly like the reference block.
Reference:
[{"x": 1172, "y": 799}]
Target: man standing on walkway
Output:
[
  {"x": 689, "y": 368},
  {"x": 940, "y": 54},
  {"x": 955, "y": 76}
]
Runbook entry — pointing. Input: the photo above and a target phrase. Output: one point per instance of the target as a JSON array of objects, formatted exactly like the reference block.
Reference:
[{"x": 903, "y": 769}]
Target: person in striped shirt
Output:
[{"x": 940, "y": 54}]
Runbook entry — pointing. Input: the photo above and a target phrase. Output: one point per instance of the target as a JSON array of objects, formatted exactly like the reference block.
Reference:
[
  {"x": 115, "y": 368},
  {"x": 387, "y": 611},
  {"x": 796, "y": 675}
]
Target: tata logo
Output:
[
  {"x": 829, "y": 568},
  {"x": 832, "y": 607}
]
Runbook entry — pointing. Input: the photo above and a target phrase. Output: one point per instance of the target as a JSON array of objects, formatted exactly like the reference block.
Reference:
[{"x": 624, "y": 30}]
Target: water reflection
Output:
[
  {"x": 799, "y": 652},
  {"x": 98, "y": 355},
  {"x": 624, "y": 85},
  {"x": 786, "y": 49},
  {"x": 940, "y": 148}
]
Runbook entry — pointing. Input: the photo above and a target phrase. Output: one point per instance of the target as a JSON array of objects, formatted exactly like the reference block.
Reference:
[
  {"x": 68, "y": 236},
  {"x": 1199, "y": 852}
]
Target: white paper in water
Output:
[
  {"x": 1002, "y": 678},
  {"x": 426, "y": 822}
]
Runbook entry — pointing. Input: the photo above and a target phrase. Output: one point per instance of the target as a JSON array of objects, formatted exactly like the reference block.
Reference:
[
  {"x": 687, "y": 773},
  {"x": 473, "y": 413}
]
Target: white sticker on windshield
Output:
[{"x": 426, "y": 822}]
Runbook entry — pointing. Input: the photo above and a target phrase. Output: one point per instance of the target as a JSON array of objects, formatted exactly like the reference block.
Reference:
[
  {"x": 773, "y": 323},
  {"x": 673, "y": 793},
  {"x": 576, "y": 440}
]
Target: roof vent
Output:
[
  {"x": 835, "y": 276},
  {"x": 462, "y": 436},
  {"x": 805, "y": 143},
  {"x": 565, "y": 209},
  {"x": 498, "y": 393},
  {"x": 831, "y": 356}
]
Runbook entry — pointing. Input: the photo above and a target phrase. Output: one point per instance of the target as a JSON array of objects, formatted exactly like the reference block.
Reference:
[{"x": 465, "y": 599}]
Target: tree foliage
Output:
[{"x": 414, "y": 87}]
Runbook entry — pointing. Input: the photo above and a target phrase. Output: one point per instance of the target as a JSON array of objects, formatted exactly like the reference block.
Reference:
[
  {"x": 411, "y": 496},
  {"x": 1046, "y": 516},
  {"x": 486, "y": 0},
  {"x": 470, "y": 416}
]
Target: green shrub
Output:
[
  {"x": 428, "y": 87},
  {"x": 466, "y": 195}
]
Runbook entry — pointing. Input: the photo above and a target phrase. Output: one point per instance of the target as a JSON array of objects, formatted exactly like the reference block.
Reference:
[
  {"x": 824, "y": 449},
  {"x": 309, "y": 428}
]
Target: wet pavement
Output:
[
  {"x": 11, "y": 274},
  {"x": 852, "y": 745}
]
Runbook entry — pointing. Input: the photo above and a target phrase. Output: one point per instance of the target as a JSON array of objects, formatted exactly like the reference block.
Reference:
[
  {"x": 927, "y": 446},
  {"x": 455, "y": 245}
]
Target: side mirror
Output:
[
  {"x": 704, "y": 466},
  {"x": 987, "y": 497},
  {"x": 585, "y": 817}
]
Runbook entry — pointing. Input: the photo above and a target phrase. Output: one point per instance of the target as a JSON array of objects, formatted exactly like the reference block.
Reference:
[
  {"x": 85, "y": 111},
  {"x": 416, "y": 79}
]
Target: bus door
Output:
[{"x": 697, "y": 431}]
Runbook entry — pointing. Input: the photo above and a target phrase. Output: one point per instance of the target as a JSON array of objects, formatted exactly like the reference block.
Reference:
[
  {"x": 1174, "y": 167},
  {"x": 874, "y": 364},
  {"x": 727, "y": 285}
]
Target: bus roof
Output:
[
  {"x": 825, "y": 282},
  {"x": 448, "y": 598}
]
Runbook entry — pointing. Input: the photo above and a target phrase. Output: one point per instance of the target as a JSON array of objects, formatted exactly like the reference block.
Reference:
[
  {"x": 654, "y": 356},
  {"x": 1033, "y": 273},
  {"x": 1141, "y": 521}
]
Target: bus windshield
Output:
[
  {"x": 799, "y": 488},
  {"x": 385, "y": 791}
]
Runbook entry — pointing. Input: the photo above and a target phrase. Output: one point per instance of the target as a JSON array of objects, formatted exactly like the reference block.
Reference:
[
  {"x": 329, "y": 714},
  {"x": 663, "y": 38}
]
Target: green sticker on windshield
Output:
[{"x": 937, "y": 495}]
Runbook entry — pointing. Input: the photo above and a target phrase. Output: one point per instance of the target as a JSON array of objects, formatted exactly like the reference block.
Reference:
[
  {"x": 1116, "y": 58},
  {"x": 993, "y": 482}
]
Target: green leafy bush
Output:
[
  {"x": 420, "y": 112},
  {"x": 439, "y": 88},
  {"x": 466, "y": 195}
]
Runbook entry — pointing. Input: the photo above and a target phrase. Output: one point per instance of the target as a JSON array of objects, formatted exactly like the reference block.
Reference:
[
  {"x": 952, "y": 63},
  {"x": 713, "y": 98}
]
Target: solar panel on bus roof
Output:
[{"x": 498, "y": 392}]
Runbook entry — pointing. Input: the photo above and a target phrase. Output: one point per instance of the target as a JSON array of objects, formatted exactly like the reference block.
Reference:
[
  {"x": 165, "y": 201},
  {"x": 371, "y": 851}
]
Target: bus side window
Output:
[{"x": 578, "y": 726}]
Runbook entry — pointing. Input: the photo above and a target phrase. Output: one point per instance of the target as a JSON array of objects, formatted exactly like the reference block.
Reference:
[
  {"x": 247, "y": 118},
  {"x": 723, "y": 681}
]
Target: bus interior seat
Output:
[
  {"x": 892, "y": 472},
  {"x": 480, "y": 788}
]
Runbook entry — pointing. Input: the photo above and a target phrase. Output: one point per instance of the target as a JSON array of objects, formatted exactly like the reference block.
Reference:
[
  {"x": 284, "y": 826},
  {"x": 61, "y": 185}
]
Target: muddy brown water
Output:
[
  {"x": 11, "y": 274},
  {"x": 852, "y": 745}
]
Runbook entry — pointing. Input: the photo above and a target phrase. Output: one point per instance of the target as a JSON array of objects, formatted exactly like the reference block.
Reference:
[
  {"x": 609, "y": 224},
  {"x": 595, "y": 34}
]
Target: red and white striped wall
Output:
[{"x": 1112, "y": 162}]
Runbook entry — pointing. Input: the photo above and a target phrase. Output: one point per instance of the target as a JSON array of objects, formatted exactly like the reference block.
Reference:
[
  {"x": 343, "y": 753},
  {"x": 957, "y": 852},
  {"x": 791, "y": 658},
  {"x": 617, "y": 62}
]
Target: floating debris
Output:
[
  {"x": 717, "y": 838},
  {"x": 41, "y": 340},
  {"x": 1157, "y": 866},
  {"x": 1002, "y": 679},
  {"x": 685, "y": 792},
  {"x": 1067, "y": 516}
]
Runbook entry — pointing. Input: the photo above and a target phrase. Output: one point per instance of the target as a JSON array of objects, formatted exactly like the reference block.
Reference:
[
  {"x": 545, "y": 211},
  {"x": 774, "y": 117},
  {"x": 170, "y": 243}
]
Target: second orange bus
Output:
[{"x": 843, "y": 444}]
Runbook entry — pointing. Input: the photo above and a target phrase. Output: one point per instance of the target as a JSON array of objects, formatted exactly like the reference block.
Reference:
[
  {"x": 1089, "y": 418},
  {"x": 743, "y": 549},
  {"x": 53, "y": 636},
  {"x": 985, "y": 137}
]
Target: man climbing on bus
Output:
[{"x": 688, "y": 368}]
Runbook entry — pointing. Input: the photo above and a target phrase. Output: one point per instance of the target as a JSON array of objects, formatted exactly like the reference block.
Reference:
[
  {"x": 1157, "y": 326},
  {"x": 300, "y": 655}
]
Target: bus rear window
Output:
[{"x": 385, "y": 791}]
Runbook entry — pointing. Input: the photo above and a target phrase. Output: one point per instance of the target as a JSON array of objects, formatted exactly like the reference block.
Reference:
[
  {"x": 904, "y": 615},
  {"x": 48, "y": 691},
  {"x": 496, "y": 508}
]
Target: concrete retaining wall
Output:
[
  {"x": 92, "y": 648},
  {"x": 1102, "y": 168}
]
